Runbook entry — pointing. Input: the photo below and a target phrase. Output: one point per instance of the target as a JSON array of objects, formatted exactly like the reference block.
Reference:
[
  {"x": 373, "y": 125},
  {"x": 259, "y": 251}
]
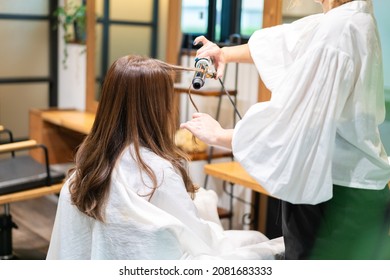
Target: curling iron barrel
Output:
[{"x": 203, "y": 64}]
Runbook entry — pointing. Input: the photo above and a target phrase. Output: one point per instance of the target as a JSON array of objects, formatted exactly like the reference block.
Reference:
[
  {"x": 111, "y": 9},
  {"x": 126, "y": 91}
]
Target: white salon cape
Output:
[
  {"x": 321, "y": 125},
  {"x": 170, "y": 226}
]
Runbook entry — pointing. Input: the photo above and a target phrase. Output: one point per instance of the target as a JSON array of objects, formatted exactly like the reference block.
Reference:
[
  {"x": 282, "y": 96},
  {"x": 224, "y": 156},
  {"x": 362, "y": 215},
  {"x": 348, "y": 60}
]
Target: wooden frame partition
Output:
[
  {"x": 173, "y": 32},
  {"x": 91, "y": 103},
  {"x": 272, "y": 16}
]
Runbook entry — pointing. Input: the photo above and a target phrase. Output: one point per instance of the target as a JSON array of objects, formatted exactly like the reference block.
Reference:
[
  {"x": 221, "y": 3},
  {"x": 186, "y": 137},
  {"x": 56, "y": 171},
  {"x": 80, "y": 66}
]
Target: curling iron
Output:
[{"x": 202, "y": 65}]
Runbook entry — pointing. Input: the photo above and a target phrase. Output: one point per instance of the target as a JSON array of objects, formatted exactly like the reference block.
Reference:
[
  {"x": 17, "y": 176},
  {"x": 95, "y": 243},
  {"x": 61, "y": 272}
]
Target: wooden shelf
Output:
[
  {"x": 217, "y": 153},
  {"x": 233, "y": 172},
  {"x": 205, "y": 92}
]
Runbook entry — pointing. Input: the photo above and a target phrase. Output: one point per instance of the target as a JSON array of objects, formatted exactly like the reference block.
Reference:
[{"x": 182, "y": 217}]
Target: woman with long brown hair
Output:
[
  {"x": 136, "y": 108},
  {"x": 129, "y": 194}
]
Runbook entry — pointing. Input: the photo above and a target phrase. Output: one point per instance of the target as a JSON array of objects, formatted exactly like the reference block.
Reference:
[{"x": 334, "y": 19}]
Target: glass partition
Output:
[
  {"x": 23, "y": 7},
  {"x": 136, "y": 11},
  {"x": 251, "y": 16},
  {"x": 217, "y": 19},
  {"x": 26, "y": 54},
  {"x": 28, "y": 76},
  {"x": 123, "y": 27},
  {"x": 120, "y": 38},
  {"x": 15, "y": 103}
]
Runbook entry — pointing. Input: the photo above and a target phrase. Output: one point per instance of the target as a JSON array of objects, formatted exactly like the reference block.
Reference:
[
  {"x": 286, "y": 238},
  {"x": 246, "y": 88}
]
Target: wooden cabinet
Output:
[{"x": 61, "y": 131}]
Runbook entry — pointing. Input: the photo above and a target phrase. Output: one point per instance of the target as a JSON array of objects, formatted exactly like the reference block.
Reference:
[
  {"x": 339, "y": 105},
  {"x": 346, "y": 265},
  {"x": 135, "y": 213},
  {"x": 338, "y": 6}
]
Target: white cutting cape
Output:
[
  {"x": 168, "y": 227},
  {"x": 321, "y": 125}
]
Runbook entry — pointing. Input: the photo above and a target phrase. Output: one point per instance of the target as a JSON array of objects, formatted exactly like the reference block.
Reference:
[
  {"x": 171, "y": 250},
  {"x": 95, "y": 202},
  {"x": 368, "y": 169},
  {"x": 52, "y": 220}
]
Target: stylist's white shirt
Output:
[{"x": 321, "y": 125}]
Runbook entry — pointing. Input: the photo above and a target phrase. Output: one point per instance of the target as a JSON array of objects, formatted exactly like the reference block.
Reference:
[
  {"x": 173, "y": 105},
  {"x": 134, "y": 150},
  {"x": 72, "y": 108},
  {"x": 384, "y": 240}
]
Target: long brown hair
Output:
[{"x": 136, "y": 107}]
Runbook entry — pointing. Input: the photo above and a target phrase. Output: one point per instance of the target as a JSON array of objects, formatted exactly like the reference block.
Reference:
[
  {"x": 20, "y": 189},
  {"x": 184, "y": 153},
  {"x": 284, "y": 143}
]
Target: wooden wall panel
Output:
[
  {"x": 91, "y": 103},
  {"x": 174, "y": 34},
  {"x": 272, "y": 16}
]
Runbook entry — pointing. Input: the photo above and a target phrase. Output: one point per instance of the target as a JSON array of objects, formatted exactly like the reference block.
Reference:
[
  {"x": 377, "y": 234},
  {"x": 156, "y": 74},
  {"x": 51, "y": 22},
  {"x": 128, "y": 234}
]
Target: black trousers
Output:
[{"x": 354, "y": 224}]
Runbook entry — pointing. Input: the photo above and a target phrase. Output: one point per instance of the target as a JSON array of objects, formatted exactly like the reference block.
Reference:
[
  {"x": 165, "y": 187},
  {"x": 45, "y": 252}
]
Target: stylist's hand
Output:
[
  {"x": 211, "y": 50},
  {"x": 208, "y": 130}
]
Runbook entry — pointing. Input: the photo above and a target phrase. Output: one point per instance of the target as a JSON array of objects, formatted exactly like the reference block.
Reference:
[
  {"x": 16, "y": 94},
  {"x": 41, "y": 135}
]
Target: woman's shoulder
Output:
[
  {"x": 129, "y": 173},
  {"x": 153, "y": 160},
  {"x": 349, "y": 17},
  {"x": 346, "y": 29}
]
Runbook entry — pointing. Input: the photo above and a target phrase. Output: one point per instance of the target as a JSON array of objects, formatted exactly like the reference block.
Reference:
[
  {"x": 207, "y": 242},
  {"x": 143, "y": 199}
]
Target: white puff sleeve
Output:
[{"x": 286, "y": 144}]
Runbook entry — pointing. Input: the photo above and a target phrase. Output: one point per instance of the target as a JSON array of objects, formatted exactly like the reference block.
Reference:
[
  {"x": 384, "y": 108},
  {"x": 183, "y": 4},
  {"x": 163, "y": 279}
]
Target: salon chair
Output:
[{"x": 20, "y": 172}]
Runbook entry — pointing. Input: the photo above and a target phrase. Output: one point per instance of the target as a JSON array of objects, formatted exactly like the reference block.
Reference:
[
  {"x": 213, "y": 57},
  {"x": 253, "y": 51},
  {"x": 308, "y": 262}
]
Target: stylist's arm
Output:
[
  {"x": 202, "y": 125},
  {"x": 221, "y": 56}
]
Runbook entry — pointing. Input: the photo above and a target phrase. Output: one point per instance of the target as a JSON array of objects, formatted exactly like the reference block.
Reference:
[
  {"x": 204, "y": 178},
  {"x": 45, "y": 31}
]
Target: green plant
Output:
[{"x": 72, "y": 18}]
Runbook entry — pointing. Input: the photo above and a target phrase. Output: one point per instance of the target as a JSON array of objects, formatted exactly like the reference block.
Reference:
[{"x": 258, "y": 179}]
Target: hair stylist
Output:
[{"x": 315, "y": 145}]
